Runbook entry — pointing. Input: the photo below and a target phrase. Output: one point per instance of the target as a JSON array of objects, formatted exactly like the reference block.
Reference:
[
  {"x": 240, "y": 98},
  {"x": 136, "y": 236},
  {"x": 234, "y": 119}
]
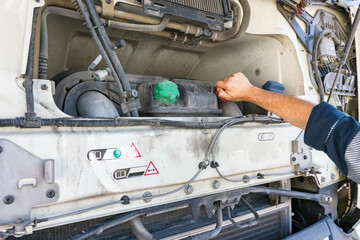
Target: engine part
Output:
[
  {"x": 96, "y": 105},
  {"x": 212, "y": 12},
  {"x": 230, "y": 109},
  {"x": 103, "y": 42},
  {"x": 251, "y": 222},
  {"x": 139, "y": 230},
  {"x": 345, "y": 84},
  {"x": 327, "y": 52},
  {"x": 194, "y": 100}
]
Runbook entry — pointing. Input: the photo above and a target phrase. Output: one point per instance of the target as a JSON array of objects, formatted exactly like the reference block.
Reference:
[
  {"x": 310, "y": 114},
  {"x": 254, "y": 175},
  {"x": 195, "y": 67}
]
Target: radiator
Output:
[{"x": 212, "y": 12}]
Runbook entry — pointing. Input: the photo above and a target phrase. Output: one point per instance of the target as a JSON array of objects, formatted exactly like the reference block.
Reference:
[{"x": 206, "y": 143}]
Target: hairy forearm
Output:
[{"x": 293, "y": 110}]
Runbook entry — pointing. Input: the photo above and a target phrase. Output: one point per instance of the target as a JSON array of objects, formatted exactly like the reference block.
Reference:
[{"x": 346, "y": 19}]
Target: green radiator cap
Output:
[{"x": 166, "y": 92}]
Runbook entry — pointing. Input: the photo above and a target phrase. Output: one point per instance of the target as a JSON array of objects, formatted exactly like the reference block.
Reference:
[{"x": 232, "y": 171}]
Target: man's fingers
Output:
[
  {"x": 221, "y": 84},
  {"x": 222, "y": 94}
]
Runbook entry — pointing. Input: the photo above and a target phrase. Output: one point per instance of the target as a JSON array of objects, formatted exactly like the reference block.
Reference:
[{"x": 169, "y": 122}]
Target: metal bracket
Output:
[
  {"x": 26, "y": 181},
  {"x": 308, "y": 37},
  {"x": 345, "y": 85},
  {"x": 108, "y": 8},
  {"x": 130, "y": 106},
  {"x": 301, "y": 153}
]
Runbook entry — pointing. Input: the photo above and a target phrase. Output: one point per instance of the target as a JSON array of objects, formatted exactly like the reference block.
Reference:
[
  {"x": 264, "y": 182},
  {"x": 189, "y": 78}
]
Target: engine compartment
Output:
[{"x": 70, "y": 47}]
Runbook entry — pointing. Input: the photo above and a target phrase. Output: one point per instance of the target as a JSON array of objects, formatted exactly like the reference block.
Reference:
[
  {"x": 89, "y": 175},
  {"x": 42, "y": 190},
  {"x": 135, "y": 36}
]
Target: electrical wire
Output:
[{"x": 347, "y": 49}]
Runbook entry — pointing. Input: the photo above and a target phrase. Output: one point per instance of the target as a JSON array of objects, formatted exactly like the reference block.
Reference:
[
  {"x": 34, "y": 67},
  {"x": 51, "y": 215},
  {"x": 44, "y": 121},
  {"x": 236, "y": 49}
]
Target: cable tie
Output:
[
  {"x": 202, "y": 165},
  {"x": 260, "y": 176},
  {"x": 96, "y": 26},
  {"x": 214, "y": 164},
  {"x": 125, "y": 200}
]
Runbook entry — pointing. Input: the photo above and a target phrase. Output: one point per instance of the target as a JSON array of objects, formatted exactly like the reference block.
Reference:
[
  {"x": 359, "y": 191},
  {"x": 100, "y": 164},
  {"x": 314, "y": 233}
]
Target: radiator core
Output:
[{"x": 212, "y": 12}]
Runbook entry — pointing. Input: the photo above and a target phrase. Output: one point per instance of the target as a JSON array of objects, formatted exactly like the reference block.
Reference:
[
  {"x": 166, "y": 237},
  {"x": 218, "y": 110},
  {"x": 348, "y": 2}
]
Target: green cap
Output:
[{"x": 166, "y": 92}]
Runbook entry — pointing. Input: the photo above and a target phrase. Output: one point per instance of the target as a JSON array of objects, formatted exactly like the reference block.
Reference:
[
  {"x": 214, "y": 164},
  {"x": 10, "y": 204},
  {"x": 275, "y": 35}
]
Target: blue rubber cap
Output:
[{"x": 273, "y": 87}]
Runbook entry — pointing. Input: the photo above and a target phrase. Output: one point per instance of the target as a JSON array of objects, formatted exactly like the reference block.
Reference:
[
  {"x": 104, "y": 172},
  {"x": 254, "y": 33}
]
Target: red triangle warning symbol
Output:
[
  {"x": 151, "y": 170},
  {"x": 133, "y": 152}
]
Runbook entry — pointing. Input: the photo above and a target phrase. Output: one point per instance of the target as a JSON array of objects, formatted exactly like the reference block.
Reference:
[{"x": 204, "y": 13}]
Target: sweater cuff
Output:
[{"x": 322, "y": 120}]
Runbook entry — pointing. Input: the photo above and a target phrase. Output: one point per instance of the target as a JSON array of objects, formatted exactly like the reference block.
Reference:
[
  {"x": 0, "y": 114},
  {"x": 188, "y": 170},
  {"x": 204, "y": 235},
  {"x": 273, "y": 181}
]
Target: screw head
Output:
[
  {"x": 8, "y": 199},
  {"x": 216, "y": 184},
  {"x": 246, "y": 179},
  {"x": 189, "y": 189},
  {"x": 44, "y": 87},
  {"x": 293, "y": 159},
  {"x": 50, "y": 194},
  {"x": 305, "y": 157},
  {"x": 147, "y": 197}
]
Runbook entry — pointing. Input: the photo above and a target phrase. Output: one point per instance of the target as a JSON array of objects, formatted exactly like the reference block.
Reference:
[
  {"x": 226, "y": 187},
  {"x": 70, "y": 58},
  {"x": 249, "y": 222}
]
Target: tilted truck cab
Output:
[{"x": 110, "y": 126}]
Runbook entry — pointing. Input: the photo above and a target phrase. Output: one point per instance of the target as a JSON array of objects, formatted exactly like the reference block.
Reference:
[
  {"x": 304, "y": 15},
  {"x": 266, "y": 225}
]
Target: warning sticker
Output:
[
  {"x": 122, "y": 152},
  {"x": 129, "y": 172},
  {"x": 151, "y": 169},
  {"x": 132, "y": 152}
]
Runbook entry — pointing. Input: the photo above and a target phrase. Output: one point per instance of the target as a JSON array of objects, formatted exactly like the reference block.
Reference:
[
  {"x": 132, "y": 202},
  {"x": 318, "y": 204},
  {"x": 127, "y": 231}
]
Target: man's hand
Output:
[
  {"x": 234, "y": 88},
  {"x": 238, "y": 88}
]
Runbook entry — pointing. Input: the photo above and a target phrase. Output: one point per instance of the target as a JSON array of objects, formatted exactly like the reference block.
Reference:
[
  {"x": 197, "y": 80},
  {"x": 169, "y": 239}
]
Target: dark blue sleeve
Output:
[{"x": 331, "y": 131}]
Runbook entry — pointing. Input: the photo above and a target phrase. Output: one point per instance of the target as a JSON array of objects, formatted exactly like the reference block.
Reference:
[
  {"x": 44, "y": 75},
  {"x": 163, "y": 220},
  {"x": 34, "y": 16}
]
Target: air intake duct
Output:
[{"x": 212, "y": 12}]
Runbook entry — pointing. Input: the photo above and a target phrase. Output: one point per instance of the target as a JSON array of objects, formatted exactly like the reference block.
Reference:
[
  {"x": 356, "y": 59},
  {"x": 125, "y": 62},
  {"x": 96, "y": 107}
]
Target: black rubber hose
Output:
[
  {"x": 288, "y": 193},
  {"x": 101, "y": 49},
  {"x": 43, "y": 56},
  {"x": 126, "y": 122},
  {"x": 213, "y": 233},
  {"x": 28, "y": 83},
  {"x": 139, "y": 230},
  {"x": 315, "y": 63},
  {"x": 99, "y": 28}
]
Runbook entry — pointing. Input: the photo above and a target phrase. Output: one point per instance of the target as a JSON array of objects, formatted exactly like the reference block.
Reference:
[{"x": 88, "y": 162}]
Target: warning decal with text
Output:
[{"x": 151, "y": 170}]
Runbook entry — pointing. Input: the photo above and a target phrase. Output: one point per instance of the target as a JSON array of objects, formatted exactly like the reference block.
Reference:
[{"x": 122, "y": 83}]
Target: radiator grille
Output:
[{"x": 213, "y": 6}]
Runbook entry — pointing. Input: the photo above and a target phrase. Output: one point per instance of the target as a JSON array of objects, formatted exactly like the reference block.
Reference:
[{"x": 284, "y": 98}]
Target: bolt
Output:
[
  {"x": 215, "y": 184},
  {"x": 8, "y": 199},
  {"x": 323, "y": 179},
  {"x": 1, "y": 149},
  {"x": 293, "y": 159},
  {"x": 108, "y": 1},
  {"x": 147, "y": 197},
  {"x": 50, "y": 193},
  {"x": 305, "y": 157},
  {"x": 44, "y": 87},
  {"x": 326, "y": 199},
  {"x": 189, "y": 189},
  {"x": 246, "y": 179}
]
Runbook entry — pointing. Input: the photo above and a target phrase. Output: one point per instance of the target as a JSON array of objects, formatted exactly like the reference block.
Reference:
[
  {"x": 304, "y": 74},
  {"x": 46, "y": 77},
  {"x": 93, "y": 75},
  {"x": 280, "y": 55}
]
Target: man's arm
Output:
[
  {"x": 238, "y": 88},
  {"x": 326, "y": 128}
]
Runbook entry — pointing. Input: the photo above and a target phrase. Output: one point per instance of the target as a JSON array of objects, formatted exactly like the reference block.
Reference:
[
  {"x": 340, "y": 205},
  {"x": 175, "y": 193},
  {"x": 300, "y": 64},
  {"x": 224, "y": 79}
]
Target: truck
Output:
[{"x": 110, "y": 126}]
